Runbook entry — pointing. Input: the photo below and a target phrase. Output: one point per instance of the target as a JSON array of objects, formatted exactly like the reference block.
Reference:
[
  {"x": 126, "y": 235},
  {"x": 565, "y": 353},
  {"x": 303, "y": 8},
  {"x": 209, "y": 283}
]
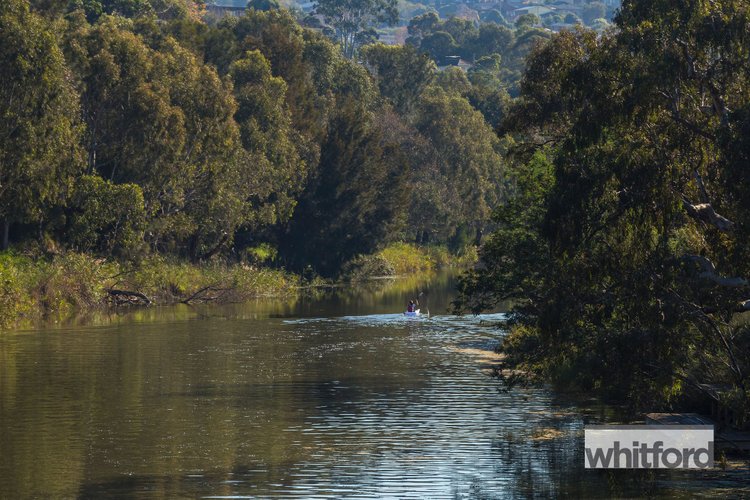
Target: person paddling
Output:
[{"x": 412, "y": 307}]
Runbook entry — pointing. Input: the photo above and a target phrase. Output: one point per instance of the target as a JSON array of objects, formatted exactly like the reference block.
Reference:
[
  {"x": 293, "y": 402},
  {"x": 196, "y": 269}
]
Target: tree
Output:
[
  {"x": 127, "y": 8},
  {"x": 593, "y": 10},
  {"x": 402, "y": 73},
  {"x": 467, "y": 188},
  {"x": 350, "y": 17},
  {"x": 641, "y": 265},
  {"x": 571, "y": 18},
  {"x": 106, "y": 218},
  {"x": 522, "y": 270},
  {"x": 600, "y": 24},
  {"x": 422, "y": 25},
  {"x": 486, "y": 71},
  {"x": 351, "y": 203},
  {"x": 491, "y": 39},
  {"x": 163, "y": 121},
  {"x": 528, "y": 21},
  {"x": 39, "y": 132},
  {"x": 313, "y": 68},
  {"x": 463, "y": 31},
  {"x": 272, "y": 171},
  {"x": 453, "y": 80},
  {"x": 439, "y": 45},
  {"x": 264, "y": 5},
  {"x": 493, "y": 16}
]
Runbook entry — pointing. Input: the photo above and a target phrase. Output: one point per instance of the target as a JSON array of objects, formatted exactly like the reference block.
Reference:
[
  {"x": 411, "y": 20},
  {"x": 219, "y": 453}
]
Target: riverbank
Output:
[
  {"x": 35, "y": 288},
  {"x": 405, "y": 259}
]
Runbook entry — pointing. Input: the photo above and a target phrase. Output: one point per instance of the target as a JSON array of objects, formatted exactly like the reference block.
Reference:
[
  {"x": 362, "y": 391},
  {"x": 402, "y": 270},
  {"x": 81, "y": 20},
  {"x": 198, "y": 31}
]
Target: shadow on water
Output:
[{"x": 334, "y": 395}]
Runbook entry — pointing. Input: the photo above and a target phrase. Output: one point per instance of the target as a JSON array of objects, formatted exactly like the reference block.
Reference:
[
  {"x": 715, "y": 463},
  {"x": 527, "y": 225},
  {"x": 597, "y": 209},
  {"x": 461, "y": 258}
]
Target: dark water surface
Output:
[{"x": 332, "y": 396}]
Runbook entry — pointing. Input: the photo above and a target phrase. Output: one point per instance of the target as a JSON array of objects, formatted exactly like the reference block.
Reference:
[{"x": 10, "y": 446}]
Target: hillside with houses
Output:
[
  {"x": 463, "y": 34},
  {"x": 553, "y": 15}
]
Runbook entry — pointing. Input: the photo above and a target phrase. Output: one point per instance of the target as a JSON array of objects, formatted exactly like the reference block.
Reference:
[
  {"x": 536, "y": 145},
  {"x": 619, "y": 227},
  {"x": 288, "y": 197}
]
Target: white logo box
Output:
[{"x": 649, "y": 446}]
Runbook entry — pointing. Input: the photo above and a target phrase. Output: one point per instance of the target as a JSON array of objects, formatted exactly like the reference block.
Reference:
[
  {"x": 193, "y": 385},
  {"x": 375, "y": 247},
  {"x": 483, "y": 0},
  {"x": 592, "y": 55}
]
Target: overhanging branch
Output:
[
  {"x": 705, "y": 212},
  {"x": 708, "y": 272}
]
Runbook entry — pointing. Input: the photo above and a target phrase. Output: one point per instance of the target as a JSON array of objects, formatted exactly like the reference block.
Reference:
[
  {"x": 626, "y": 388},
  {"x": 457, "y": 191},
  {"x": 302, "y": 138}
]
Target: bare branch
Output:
[
  {"x": 129, "y": 296},
  {"x": 706, "y": 213},
  {"x": 708, "y": 272}
]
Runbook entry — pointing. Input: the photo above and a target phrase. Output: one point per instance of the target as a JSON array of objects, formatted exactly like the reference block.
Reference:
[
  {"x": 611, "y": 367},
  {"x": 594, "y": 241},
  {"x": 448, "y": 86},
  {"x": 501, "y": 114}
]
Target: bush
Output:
[
  {"x": 32, "y": 288},
  {"x": 367, "y": 266},
  {"x": 15, "y": 279},
  {"x": 260, "y": 254},
  {"x": 407, "y": 259},
  {"x": 72, "y": 282},
  {"x": 105, "y": 217}
]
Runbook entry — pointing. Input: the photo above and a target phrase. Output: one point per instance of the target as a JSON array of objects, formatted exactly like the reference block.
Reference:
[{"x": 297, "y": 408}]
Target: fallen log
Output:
[{"x": 128, "y": 296}]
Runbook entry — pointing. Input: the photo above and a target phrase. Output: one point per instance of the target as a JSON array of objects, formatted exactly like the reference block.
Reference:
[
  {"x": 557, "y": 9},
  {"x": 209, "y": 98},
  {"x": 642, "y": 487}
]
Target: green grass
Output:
[
  {"x": 32, "y": 288},
  {"x": 406, "y": 258}
]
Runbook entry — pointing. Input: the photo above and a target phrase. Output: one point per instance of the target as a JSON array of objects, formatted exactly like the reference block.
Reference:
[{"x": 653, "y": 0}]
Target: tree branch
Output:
[
  {"x": 706, "y": 213},
  {"x": 708, "y": 272},
  {"x": 129, "y": 295}
]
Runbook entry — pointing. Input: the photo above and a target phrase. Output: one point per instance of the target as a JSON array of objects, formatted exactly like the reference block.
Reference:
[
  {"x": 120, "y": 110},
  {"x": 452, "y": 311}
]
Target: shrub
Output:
[
  {"x": 407, "y": 259},
  {"x": 105, "y": 217},
  {"x": 367, "y": 266}
]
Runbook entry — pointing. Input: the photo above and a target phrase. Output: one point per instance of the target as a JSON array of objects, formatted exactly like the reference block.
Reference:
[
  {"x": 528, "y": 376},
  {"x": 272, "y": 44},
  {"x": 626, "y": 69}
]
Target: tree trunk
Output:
[
  {"x": 6, "y": 234},
  {"x": 478, "y": 236}
]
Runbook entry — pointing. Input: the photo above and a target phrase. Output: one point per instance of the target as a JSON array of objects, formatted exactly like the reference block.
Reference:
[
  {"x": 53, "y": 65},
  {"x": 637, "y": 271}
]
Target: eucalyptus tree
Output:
[
  {"x": 468, "y": 154},
  {"x": 351, "y": 17},
  {"x": 640, "y": 235},
  {"x": 402, "y": 73},
  {"x": 164, "y": 121},
  {"x": 353, "y": 201},
  {"x": 272, "y": 171},
  {"x": 39, "y": 131}
]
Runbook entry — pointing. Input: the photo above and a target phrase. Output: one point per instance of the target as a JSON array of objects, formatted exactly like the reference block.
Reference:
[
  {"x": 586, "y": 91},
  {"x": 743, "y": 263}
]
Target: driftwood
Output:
[{"x": 128, "y": 297}]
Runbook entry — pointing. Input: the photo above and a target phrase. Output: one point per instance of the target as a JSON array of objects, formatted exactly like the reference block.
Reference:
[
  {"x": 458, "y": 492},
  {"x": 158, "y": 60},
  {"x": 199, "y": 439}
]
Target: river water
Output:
[{"x": 335, "y": 395}]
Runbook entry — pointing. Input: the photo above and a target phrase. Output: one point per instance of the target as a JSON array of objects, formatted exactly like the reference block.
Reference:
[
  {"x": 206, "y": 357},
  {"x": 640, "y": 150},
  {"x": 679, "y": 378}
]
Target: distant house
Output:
[
  {"x": 223, "y": 8},
  {"x": 459, "y": 10},
  {"x": 465, "y": 12},
  {"x": 449, "y": 61},
  {"x": 538, "y": 10},
  {"x": 509, "y": 6}
]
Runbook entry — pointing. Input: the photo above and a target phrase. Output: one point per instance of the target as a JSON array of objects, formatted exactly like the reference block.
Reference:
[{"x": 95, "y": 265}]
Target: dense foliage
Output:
[
  {"x": 624, "y": 241},
  {"x": 497, "y": 51},
  {"x": 131, "y": 128}
]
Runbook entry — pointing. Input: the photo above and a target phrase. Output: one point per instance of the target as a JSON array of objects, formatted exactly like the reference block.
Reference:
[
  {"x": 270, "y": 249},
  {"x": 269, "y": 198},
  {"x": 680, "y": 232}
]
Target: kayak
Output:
[{"x": 412, "y": 314}]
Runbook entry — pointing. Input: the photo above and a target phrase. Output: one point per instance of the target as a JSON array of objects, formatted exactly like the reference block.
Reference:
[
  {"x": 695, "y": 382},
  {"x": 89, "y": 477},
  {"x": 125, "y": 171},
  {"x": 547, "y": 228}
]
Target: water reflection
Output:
[{"x": 332, "y": 396}]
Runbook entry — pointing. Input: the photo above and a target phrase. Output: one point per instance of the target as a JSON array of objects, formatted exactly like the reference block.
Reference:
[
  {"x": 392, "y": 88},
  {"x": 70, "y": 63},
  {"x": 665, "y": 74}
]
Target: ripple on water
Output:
[{"x": 353, "y": 406}]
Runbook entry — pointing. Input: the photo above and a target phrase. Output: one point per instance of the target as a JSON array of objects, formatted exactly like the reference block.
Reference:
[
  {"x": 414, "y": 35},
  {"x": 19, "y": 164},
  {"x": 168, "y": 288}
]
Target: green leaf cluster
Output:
[{"x": 624, "y": 241}]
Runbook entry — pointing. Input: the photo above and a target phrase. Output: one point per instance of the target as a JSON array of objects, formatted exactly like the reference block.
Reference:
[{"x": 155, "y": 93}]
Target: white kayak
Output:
[{"x": 412, "y": 314}]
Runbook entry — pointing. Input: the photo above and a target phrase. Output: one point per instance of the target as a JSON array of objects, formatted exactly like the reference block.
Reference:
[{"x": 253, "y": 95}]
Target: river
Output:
[{"x": 335, "y": 395}]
